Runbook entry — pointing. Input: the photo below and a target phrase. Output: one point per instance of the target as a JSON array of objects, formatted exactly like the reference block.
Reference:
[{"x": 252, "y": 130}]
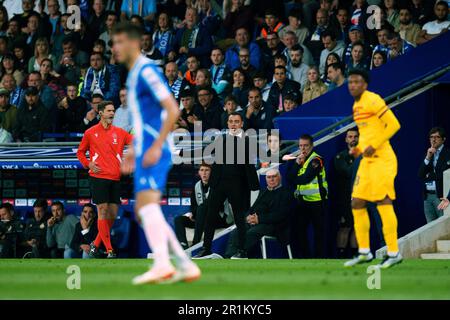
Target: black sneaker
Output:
[
  {"x": 93, "y": 251},
  {"x": 241, "y": 254},
  {"x": 111, "y": 255},
  {"x": 203, "y": 253}
]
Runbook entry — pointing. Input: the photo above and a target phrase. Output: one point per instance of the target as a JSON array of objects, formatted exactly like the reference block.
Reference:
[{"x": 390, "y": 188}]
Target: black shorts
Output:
[{"x": 105, "y": 191}]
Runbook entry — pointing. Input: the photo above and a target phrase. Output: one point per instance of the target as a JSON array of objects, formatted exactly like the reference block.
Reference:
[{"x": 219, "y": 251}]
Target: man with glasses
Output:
[{"x": 431, "y": 171}]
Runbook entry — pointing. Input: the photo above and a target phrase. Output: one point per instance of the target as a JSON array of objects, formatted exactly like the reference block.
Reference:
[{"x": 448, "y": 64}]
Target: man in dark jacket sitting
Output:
[{"x": 268, "y": 216}]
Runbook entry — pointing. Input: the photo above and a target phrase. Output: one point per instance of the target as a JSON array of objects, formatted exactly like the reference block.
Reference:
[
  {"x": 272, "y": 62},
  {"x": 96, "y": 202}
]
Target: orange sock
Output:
[
  {"x": 104, "y": 231},
  {"x": 98, "y": 239}
]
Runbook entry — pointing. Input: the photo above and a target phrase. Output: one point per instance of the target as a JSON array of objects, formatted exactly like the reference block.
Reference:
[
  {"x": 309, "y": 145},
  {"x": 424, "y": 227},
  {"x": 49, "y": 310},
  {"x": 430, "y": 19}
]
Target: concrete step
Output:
[
  {"x": 436, "y": 256},
  {"x": 443, "y": 246}
]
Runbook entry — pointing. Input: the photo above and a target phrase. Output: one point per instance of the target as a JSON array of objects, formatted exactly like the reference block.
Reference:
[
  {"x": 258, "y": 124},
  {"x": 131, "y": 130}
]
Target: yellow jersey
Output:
[{"x": 367, "y": 113}]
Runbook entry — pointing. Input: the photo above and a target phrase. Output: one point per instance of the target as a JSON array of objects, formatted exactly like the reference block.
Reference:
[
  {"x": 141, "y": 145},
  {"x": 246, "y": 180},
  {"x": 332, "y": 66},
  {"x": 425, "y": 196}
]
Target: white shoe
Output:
[
  {"x": 155, "y": 275},
  {"x": 360, "y": 258},
  {"x": 389, "y": 261},
  {"x": 186, "y": 274}
]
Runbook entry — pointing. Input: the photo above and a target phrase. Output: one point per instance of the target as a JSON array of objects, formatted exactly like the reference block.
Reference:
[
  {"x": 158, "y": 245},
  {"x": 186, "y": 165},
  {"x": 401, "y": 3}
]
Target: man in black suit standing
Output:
[
  {"x": 232, "y": 178},
  {"x": 431, "y": 172}
]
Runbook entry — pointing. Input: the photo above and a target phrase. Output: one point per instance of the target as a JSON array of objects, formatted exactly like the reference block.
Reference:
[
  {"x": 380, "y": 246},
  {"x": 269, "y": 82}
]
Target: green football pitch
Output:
[{"x": 225, "y": 279}]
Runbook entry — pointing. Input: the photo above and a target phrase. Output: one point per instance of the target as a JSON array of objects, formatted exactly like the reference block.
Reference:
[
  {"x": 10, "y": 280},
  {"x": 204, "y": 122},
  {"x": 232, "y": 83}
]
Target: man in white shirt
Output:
[
  {"x": 298, "y": 69},
  {"x": 434, "y": 28},
  {"x": 122, "y": 117}
]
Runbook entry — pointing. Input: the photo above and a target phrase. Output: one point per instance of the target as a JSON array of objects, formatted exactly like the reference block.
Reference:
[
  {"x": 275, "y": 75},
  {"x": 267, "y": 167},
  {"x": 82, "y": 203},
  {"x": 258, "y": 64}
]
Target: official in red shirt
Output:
[{"x": 105, "y": 144}]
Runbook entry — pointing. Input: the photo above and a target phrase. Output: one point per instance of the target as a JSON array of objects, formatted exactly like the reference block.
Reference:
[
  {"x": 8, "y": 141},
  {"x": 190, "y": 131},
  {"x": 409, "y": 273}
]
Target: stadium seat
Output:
[{"x": 264, "y": 247}]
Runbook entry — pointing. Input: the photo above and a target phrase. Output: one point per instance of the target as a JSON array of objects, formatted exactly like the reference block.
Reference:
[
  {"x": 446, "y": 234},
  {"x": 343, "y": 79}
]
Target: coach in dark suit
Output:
[
  {"x": 231, "y": 178},
  {"x": 431, "y": 171}
]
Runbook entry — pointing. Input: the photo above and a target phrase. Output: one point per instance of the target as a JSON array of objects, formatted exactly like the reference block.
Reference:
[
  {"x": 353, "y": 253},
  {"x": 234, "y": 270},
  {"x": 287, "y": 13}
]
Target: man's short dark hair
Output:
[
  {"x": 96, "y": 53},
  {"x": 131, "y": 30},
  {"x": 328, "y": 33},
  {"x": 235, "y": 114},
  {"x": 336, "y": 66},
  {"x": 393, "y": 35},
  {"x": 58, "y": 203},
  {"x": 355, "y": 129},
  {"x": 97, "y": 95},
  {"x": 8, "y": 207},
  {"x": 290, "y": 97},
  {"x": 441, "y": 3},
  {"x": 102, "y": 105},
  {"x": 297, "y": 47},
  {"x": 439, "y": 130},
  {"x": 308, "y": 137},
  {"x": 259, "y": 75},
  {"x": 90, "y": 205},
  {"x": 280, "y": 56},
  {"x": 360, "y": 72},
  {"x": 111, "y": 13},
  {"x": 281, "y": 67},
  {"x": 217, "y": 48},
  {"x": 296, "y": 13},
  {"x": 40, "y": 203},
  {"x": 254, "y": 89}
]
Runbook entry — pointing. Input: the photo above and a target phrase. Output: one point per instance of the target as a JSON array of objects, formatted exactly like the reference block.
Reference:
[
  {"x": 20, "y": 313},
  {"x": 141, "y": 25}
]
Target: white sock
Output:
[
  {"x": 181, "y": 256},
  {"x": 153, "y": 223},
  {"x": 364, "y": 251},
  {"x": 392, "y": 254}
]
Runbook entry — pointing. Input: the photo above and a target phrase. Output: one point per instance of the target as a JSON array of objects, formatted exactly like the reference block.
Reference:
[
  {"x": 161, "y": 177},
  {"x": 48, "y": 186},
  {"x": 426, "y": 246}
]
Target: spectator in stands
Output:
[
  {"x": 290, "y": 40},
  {"x": 57, "y": 39},
  {"x": 431, "y": 171},
  {"x": 163, "y": 36},
  {"x": 296, "y": 67},
  {"x": 260, "y": 82},
  {"x": 359, "y": 14},
  {"x": 144, "y": 8},
  {"x": 71, "y": 61},
  {"x": 41, "y": 52},
  {"x": 231, "y": 106},
  {"x": 92, "y": 117},
  {"x": 358, "y": 58},
  {"x": 150, "y": 51},
  {"x": 335, "y": 75},
  {"x": 34, "y": 234},
  {"x": 331, "y": 45},
  {"x": 344, "y": 167},
  {"x": 397, "y": 46},
  {"x": 208, "y": 16},
  {"x": 392, "y": 15},
  {"x": 382, "y": 37},
  {"x": 187, "y": 116},
  {"x": 60, "y": 231},
  {"x": 207, "y": 111},
  {"x": 10, "y": 232},
  {"x": 71, "y": 111},
  {"x": 32, "y": 119},
  {"x": 272, "y": 23},
  {"x": 295, "y": 25},
  {"x": 192, "y": 39},
  {"x": 314, "y": 87},
  {"x": 110, "y": 21},
  {"x": 314, "y": 42},
  {"x": 9, "y": 67},
  {"x": 332, "y": 58},
  {"x": 282, "y": 87},
  {"x": 102, "y": 78},
  {"x": 422, "y": 11},
  {"x": 3, "y": 20},
  {"x": 97, "y": 17},
  {"x": 343, "y": 25},
  {"x": 54, "y": 15},
  {"x": 232, "y": 181},
  {"x": 3, "y": 47},
  {"x": 45, "y": 93},
  {"x": 434, "y": 28},
  {"x": 378, "y": 58},
  {"x": 175, "y": 82},
  {"x": 122, "y": 116},
  {"x": 195, "y": 219},
  {"x": 15, "y": 92},
  {"x": 242, "y": 40},
  {"x": 270, "y": 49},
  {"x": 14, "y": 34},
  {"x": 34, "y": 30},
  {"x": 244, "y": 63},
  {"x": 355, "y": 35},
  {"x": 221, "y": 75},
  {"x": 192, "y": 64},
  {"x": 53, "y": 80},
  {"x": 203, "y": 79},
  {"x": 290, "y": 103},
  {"x": 84, "y": 234},
  {"x": 307, "y": 173},
  {"x": 237, "y": 16},
  {"x": 268, "y": 216},
  {"x": 241, "y": 84},
  {"x": 8, "y": 112},
  {"x": 408, "y": 30},
  {"x": 258, "y": 114}
]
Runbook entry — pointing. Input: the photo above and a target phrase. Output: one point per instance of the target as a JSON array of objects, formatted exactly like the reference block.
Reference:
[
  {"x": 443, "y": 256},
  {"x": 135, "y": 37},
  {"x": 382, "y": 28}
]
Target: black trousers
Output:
[
  {"x": 252, "y": 237},
  {"x": 239, "y": 197},
  {"x": 311, "y": 213}
]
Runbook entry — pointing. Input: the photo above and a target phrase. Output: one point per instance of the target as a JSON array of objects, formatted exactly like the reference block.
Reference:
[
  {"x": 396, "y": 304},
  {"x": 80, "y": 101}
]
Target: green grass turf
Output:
[{"x": 226, "y": 279}]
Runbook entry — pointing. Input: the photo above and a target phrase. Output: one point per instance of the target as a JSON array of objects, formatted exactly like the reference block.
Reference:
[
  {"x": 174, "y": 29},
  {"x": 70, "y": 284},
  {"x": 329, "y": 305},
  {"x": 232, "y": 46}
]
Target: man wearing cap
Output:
[
  {"x": 355, "y": 34},
  {"x": 8, "y": 114},
  {"x": 32, "y": 120}
]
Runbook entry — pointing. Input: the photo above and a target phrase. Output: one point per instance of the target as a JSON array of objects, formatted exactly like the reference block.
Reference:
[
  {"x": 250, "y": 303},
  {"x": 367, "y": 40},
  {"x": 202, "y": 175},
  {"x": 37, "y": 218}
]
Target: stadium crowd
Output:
[{"x": 257, "y": 59}]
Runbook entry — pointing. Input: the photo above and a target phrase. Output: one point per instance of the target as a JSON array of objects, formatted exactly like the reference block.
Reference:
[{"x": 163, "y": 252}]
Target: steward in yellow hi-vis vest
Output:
[{"x": 307, "y": 173}]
